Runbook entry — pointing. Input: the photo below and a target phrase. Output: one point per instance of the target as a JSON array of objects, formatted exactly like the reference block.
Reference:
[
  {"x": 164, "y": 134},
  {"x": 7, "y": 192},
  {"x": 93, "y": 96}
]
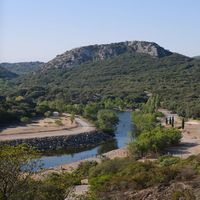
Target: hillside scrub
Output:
[
  {"x": 119, "y": 178},
  {"x": 17, "y": 182},
  {"x": 113, "y": 178},
  {"x": 118, "y": 82},
  {"x": 127, "y": 76}
]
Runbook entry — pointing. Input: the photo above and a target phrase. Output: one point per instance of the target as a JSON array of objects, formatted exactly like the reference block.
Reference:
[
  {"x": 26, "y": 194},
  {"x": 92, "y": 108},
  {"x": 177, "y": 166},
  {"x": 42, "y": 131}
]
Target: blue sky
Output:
[{"x": 33, "y": 30}]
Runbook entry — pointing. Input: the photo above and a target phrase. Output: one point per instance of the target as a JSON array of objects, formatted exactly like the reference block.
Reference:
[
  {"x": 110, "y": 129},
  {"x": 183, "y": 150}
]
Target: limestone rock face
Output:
[{"x": 80, "y": 55}]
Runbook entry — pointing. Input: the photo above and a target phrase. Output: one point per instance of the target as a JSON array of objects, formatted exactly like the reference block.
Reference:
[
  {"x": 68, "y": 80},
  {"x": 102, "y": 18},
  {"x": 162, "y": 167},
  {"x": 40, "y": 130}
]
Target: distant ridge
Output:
[
  {"x": 6, "y": 74},
  {"x": 22, "y": 67},
  {"x": 197, "y": 57},
  {"x": 83, "y": 54}
]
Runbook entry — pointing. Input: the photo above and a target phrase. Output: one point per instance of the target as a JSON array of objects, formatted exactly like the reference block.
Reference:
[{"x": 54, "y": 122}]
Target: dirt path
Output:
[
  {"x": 38, "y": 131},
  {"x": 190, "y": 142}
]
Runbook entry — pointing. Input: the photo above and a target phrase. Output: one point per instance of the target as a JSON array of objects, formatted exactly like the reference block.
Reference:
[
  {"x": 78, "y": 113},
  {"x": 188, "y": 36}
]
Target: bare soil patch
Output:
[{"x": 41, "y": 125}]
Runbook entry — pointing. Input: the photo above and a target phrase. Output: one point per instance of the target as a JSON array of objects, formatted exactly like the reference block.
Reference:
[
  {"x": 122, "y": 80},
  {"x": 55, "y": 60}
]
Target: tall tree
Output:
[
  {"x": 183, "y": 123},
  {"x": 16, "y": 167},
  {"x": 72, "y": 117},
  {"x": 107, "y": 120}
]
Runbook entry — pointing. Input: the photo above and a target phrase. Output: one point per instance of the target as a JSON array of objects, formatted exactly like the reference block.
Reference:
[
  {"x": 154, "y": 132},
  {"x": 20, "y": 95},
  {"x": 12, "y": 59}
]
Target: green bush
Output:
[
  {"x": 84, "y": 167},
  {"x": 25, "y": 119},
  {"x": 58, "y": 122},
  {"x": 168, "y": 160},
  {"x": 47, "y": 114},
  {"x": 184, "y": 194}
]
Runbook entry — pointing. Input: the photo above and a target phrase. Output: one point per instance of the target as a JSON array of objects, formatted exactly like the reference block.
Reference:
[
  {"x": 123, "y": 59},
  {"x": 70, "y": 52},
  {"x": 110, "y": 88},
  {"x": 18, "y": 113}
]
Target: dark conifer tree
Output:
[
  {"x": 183, "y": 123},
  {"x": 170, "y": 120}
]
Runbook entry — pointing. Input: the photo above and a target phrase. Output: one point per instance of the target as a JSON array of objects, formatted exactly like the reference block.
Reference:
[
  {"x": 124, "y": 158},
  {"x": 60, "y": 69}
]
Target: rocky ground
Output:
[{"x": 172, "y": 191}]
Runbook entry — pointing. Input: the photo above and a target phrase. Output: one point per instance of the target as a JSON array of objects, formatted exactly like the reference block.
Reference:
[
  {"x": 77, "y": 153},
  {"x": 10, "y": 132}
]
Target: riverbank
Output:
[
  {"x": 190, "y": 144},
  {"x": 117, "y": 153},
  {"x": 123, "y": 152},
  {"x": 47, "y": 128},
  {"x": 69, "y": 136}
]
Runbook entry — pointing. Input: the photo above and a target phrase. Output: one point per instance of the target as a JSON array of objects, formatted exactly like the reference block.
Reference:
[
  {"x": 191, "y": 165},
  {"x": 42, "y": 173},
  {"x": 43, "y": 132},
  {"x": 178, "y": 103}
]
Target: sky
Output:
[{"x": 38, "y": 30}]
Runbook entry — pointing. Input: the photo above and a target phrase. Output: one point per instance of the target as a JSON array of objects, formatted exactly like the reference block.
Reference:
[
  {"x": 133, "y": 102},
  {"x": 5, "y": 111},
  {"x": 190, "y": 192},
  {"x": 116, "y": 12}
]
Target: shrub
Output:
[
  {"x": 83, "y": 168},
  {"x": 25, "y": 119},
  {"x": 168, "y": 160},
  {"x": 47, "y": 114},
  {"x": 58, "y": 122}
]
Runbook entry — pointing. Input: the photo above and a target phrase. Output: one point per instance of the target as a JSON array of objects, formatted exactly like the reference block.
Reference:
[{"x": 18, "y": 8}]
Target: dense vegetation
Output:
[
  {"x": 151, "y": 138},
  {"x": 124, "y": 81},
  {"x": 6, "y": 74},
  {"x": 122, "y": 178},
  {"x": 128, "y": 179},
  {"x": 14, "y": 109},
  {"x": 12, "y": 161},
  {"x": 23, "y": 109},
  {"x": 155, "y": 141},
  {"x": 174, "y": 78}
]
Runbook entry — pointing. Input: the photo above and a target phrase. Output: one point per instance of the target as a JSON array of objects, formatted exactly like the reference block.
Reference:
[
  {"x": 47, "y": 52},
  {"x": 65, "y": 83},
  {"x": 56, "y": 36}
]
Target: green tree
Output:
[
  {"x": 16, "y": 167},
  {"x": 183, "y": 123},
  {"x": 90, "y": 111},
  {"x": 143, "y": 121},
  {"x": 172, "y": 121},
  {"x": 42, "y": 107},
  {"x": 107, "y": 120},
  {"x": 72, "y": 117}
]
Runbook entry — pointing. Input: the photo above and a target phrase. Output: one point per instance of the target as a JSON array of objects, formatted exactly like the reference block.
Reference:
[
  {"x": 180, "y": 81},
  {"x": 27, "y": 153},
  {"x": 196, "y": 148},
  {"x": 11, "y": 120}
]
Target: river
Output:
[{"x": 121, "y": 139}]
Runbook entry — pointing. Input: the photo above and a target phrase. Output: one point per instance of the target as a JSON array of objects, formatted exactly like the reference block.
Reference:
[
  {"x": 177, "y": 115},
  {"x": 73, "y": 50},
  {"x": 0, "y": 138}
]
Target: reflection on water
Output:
[
  {"x": 122, "y": 137},
  {"x": 108, "y": 146}
]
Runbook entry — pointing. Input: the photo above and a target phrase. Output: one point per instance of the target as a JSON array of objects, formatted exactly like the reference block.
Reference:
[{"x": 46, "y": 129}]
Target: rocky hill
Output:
[
  {"x": 123, "y": 70},
  {"x": 81, "y": 55}
]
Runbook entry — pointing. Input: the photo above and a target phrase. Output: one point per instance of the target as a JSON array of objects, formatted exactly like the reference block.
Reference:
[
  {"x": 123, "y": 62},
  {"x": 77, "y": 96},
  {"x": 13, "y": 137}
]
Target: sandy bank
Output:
[{"x": 47, "y": 128}]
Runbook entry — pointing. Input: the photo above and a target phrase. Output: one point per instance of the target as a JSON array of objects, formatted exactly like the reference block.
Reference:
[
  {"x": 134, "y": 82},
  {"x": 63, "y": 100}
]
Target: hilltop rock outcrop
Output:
[{"x": 80, "y": 55}]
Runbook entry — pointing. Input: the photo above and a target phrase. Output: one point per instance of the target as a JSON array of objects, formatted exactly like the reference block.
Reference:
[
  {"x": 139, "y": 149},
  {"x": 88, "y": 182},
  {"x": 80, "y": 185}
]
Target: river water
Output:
[{"x": 122, "y": 137}]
